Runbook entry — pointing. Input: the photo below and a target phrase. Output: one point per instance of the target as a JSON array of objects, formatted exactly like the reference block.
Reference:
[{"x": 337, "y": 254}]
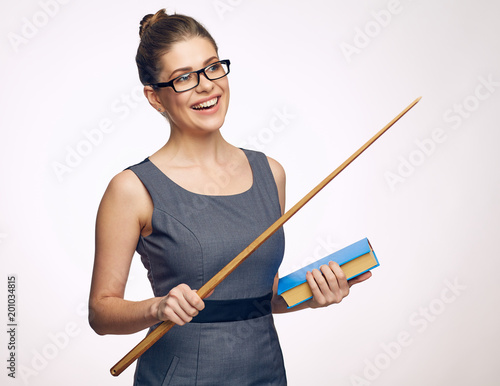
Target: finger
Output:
[
  {"x": 337, "y": 284},
  {"x": 178, "y": 305},
  {"x": 330, "y": 277},
  {"x": 174, "y": 312},
  {"x": 190, "y": 302},
  {"x": 360, "y": 278},
  {"x": 188, "y": 298},
  {"x": 194, "y": 299},
  {"x": 326, "y": 280},
  {"x": 170, "y": 310},
  {"x": 316, "y": 292},
  {"x": 341, "y": 278},
  {"x": 335, "y": 293}
]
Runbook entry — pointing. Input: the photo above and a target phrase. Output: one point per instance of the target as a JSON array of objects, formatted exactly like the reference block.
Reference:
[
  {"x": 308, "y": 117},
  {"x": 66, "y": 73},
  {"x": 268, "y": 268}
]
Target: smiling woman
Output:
[{"x": 166, "y": 209}]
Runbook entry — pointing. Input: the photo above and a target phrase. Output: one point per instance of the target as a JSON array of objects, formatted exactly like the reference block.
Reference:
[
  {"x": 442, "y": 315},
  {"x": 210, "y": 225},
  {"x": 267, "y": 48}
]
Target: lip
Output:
[{"x": 211, "y": 110}]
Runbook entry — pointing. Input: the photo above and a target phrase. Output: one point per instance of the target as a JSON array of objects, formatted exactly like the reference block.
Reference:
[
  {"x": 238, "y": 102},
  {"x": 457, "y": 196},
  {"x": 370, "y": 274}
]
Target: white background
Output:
[{"x": 339, "y": 71}]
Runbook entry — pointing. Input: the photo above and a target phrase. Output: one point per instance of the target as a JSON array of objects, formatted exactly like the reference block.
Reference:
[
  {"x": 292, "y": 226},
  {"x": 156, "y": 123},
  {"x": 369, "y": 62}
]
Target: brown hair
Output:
[{"x": 158, "y": 33}]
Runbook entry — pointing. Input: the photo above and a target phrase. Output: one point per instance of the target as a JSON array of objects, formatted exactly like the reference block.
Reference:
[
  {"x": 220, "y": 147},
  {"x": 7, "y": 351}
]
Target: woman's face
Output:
[{"x": 183, "y": 109}]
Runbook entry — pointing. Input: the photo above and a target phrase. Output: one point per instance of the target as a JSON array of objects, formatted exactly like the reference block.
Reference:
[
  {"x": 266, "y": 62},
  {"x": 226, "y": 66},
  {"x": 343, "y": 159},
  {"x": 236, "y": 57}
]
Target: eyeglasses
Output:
[{"x": 190, "y": 80}]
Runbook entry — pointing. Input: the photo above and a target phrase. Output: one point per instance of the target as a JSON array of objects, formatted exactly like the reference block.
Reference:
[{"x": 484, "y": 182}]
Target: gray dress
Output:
[{"x": 233, "y": 341}]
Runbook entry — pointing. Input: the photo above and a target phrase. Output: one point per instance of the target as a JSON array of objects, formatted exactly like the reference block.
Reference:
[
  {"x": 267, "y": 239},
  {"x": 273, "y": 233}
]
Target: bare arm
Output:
[{"x": 122, "y": 217}]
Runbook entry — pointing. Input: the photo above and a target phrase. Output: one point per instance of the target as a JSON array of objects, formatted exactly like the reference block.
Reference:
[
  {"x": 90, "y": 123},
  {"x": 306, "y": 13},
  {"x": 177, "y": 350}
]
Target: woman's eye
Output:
[
  {"x": 184, "y": 78},
  {"x": 214, "y": 68}
]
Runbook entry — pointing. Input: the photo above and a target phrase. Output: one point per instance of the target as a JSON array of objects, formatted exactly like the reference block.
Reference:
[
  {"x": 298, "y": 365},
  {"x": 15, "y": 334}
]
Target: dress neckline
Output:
[{"x": 208, "y": 195}]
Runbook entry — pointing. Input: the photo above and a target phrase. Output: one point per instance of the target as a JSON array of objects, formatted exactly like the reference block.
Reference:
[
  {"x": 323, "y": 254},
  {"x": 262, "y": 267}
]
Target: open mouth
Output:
[{"x": 206, "y": 105}]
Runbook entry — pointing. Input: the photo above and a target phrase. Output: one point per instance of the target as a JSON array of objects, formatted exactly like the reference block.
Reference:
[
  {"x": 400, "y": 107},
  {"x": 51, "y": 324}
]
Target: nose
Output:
[{"x": 204, "y": 84}]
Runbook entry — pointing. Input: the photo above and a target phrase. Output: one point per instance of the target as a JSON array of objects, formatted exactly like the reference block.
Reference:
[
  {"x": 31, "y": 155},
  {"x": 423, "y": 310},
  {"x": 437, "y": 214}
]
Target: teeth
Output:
[{"x": 206, "y": 104}]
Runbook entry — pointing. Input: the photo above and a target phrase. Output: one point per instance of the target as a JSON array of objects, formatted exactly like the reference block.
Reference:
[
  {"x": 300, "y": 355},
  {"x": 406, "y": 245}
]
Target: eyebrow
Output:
[{"x": 183, "y": 70}]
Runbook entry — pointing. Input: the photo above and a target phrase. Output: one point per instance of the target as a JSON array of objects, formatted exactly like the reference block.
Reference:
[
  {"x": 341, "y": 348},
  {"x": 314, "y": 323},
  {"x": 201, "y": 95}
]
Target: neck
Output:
[{"x": 203, "y": 149}]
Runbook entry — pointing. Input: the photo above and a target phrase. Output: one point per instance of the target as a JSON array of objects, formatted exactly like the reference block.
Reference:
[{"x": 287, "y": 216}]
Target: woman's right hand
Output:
[{"x": 180, "y": 306}]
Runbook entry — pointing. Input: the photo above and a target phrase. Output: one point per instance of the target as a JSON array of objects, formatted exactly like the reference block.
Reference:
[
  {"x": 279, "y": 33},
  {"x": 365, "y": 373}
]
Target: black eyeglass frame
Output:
[{"x": 170, "y": 83}]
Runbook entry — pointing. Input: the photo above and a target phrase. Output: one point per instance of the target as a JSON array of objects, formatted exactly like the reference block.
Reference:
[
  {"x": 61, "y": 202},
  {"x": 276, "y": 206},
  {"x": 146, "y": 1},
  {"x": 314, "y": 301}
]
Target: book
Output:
[{"x": 354, "y": 260}]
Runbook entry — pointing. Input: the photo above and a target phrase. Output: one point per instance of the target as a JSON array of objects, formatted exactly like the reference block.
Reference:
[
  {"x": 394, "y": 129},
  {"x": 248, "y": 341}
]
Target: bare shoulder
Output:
[
  {"x": 278, "y": 171},
  {"x": 126, "y": 191},
  {"x": 280, "y": 179},
  {"x": 125, "y": 186}
]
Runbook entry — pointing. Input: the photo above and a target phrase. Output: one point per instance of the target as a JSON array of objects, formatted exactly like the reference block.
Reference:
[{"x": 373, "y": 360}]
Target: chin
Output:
[
  {"x": 210, "y": 127},
  {"x": 211, "y": 122}
]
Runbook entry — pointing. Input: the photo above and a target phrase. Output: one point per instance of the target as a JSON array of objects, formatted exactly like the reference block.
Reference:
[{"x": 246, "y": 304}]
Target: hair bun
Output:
[
  {"x": 150, "y": 19},
  {"x": 159, "y": 33}
]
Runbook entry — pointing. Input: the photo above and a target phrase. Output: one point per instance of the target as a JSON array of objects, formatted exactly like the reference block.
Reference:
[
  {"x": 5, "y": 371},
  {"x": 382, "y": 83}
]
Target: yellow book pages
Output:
[
  {"x": 359, "y": 265},
  {"x": 297, "y": 294}
]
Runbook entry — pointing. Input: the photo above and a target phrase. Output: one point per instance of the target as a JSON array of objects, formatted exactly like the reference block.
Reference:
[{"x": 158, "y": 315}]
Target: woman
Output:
[{"x": 188, "y": 209}]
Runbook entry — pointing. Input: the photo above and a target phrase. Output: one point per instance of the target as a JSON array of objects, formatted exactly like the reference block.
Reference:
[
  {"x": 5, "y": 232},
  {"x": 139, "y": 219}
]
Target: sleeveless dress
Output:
[{"x": 233, "y": 341}]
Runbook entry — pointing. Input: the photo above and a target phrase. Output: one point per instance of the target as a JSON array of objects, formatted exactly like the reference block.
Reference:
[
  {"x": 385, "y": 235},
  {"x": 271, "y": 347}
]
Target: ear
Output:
[{"x": 153, "y": 98}]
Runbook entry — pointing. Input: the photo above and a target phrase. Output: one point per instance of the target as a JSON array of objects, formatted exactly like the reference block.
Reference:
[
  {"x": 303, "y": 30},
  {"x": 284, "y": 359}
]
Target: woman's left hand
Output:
[{"x": 329, "y": 284}]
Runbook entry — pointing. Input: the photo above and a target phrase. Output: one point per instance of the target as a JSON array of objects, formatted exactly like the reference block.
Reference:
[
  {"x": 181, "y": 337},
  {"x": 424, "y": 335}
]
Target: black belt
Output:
[{"x": 234, "y": 310}]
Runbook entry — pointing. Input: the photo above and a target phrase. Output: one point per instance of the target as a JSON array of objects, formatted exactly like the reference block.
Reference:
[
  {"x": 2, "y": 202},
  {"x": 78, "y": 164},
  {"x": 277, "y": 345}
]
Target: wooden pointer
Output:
[{"x": 157, "y": 333}]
